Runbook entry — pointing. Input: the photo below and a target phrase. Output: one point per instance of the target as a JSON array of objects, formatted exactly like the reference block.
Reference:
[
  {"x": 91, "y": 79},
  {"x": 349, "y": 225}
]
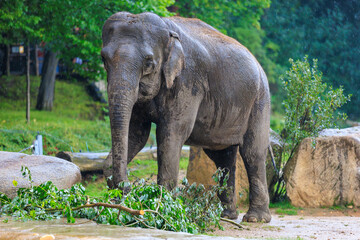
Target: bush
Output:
[{"x": 310, "y": 106}]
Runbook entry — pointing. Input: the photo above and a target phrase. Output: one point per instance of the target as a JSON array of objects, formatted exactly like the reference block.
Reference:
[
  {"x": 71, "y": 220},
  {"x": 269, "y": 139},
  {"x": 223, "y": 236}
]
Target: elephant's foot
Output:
[
  {"x": 230, "y": 214},
  {"x": 257, "y": 215}
]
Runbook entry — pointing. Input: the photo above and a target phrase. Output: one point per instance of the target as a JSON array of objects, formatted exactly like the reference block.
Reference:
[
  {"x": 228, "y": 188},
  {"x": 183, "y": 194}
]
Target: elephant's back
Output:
[{"x": 199, "y": 30}]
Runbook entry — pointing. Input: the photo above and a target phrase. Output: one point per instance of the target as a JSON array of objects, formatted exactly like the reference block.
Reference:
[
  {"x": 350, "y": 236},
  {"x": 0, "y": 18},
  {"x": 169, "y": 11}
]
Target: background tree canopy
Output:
[
  {"x": 274, "y": 31},
  {"x": 324, "y": 29}
]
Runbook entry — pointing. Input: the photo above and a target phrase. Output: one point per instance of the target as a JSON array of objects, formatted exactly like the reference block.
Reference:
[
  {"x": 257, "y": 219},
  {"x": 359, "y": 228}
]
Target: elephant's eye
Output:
[{"x": 148, "y": 65}]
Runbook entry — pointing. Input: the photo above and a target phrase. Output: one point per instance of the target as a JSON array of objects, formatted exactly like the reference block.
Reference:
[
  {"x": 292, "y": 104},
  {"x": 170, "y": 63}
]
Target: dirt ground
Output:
[{"x": 310, "y": 223}]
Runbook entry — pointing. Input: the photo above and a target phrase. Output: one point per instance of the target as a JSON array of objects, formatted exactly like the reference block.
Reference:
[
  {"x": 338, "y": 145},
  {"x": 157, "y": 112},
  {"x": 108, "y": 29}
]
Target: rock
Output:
[
  {"x": 201, "y": 168},
  {"x": 43, "y": 168},
  {"x": 352, "y": 123},
  {"x": 328, "y": 174}
]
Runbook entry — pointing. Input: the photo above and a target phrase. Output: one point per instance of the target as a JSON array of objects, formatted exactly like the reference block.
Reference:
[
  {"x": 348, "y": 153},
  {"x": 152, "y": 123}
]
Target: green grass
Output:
[
  {"x": 145, "y": 168},
  {"x": 95, "y": 188},
  {"x": 284, "y": 208},
  {"x": 75, "y": 123}
]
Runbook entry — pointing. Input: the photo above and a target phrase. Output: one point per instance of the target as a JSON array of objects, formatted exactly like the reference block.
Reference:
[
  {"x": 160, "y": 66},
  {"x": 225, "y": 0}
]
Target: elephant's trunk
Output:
[{"x": 122, "y": 95}]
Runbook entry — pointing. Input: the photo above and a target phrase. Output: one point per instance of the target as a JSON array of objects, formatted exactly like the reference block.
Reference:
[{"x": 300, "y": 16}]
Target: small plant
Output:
[
  {"x": 189, "y": 208},
  {"x": 310, "y": 106}
]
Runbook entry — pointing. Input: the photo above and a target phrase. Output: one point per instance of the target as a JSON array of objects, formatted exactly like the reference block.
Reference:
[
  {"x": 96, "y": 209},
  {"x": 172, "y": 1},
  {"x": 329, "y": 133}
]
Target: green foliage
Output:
[
  {"x": 203, "y": 205},
  {"x": 70, "y": 27},
  {"x": 238, "y": 19},
  {"x": 189, "y": 208},
  {"x": 66, "y": 128},
  {"x": 18, "y": 21},
  {"x": 323, "y": 29},
  {"x": 310, "y": 107},
  {"x": 217, "y": 13}
]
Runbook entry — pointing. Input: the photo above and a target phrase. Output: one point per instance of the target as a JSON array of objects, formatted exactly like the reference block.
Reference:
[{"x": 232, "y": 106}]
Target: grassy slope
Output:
[{"x": 73, "y": 123}]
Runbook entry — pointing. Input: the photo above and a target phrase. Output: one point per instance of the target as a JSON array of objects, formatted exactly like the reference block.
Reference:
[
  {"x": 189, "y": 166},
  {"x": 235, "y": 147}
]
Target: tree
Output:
[
  {"x": 18, "y": 22},
  {"x": 323, "y": 29},
  {"x": 45, "y": 96},
  {"x": 72, "y": 28}
]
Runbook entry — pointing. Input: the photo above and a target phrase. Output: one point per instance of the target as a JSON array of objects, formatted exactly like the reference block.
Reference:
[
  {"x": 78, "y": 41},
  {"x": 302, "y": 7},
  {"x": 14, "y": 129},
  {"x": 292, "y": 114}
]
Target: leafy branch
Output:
[{"x": 189, "y": 208}]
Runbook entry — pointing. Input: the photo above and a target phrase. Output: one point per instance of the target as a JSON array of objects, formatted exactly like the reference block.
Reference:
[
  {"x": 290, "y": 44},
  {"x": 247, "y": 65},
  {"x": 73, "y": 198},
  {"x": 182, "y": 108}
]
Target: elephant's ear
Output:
[{"x": 175, "y": 62}]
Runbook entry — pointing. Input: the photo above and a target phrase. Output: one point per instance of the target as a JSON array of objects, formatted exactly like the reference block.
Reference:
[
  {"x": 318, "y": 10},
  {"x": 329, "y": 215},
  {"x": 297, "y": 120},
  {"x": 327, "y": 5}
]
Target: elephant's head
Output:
[{"x": 141, "y": 55}]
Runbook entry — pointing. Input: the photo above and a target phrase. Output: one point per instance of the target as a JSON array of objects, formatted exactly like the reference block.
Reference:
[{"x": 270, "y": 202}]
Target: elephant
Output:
[{"x": 200, "y": 87}]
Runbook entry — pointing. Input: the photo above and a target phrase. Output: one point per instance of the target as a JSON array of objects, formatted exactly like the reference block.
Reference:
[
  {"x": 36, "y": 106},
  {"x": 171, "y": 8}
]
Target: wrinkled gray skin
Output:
[{"x": 200, "y": 87}]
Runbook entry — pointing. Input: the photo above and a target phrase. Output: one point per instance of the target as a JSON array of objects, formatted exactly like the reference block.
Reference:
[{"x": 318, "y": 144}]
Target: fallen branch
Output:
[
  {"x": 108, "y": 205},
  {"x": 156, "y": 212},
  {"x": 232, "y": 222}
]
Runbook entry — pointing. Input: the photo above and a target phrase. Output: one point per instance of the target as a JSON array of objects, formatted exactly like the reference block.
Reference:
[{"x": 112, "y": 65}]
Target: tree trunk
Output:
[
  {"x": 36, "y": 60},
  {"x": 8, "y": 60},
  {"x": 46, "y": 90},
  {"x": 28, "y": 83}
]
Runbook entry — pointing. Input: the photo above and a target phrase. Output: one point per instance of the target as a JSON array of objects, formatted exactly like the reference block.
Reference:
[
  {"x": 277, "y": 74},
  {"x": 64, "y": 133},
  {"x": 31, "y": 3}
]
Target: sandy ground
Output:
[{"x": 308, "y": 224}]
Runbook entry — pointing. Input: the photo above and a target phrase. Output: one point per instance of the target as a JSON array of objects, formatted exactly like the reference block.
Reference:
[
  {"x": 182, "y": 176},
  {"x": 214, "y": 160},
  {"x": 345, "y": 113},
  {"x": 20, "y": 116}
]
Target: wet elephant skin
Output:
[{"x": 199, "y": 87}]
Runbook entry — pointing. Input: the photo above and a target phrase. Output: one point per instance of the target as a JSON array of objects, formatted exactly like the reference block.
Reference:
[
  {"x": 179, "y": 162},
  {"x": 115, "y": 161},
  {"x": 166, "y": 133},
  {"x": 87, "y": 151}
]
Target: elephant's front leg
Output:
[
  {"x": 171, "y": 134},
  {"x": 173, "y": 128},
  {"x": 169, "y": 143}
]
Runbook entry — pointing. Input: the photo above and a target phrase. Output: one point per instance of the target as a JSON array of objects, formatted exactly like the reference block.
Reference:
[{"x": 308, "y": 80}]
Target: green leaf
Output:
[{"x": 15, "y": 183}]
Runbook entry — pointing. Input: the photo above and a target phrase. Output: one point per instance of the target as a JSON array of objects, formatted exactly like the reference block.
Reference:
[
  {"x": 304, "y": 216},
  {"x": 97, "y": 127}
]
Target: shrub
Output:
[{"x": 310, "y": 106}]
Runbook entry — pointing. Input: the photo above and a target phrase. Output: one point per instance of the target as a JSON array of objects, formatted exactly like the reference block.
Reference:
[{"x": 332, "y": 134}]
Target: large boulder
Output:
[
  {"x": 62, "y": 173},
  {"x": 327, "y": 174},
  {"x": 201, "y": 168}
]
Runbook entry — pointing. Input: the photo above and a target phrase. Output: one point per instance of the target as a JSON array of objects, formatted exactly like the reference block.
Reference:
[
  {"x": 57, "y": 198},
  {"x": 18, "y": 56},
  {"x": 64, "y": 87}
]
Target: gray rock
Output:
[{"x": 62, "y": 173}]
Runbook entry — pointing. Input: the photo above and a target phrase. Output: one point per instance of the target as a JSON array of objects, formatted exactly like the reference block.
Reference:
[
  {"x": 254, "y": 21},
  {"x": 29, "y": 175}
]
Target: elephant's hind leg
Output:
[
  {"x": 226, "y": 159},
  {"x": 253, "y": 151}
]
